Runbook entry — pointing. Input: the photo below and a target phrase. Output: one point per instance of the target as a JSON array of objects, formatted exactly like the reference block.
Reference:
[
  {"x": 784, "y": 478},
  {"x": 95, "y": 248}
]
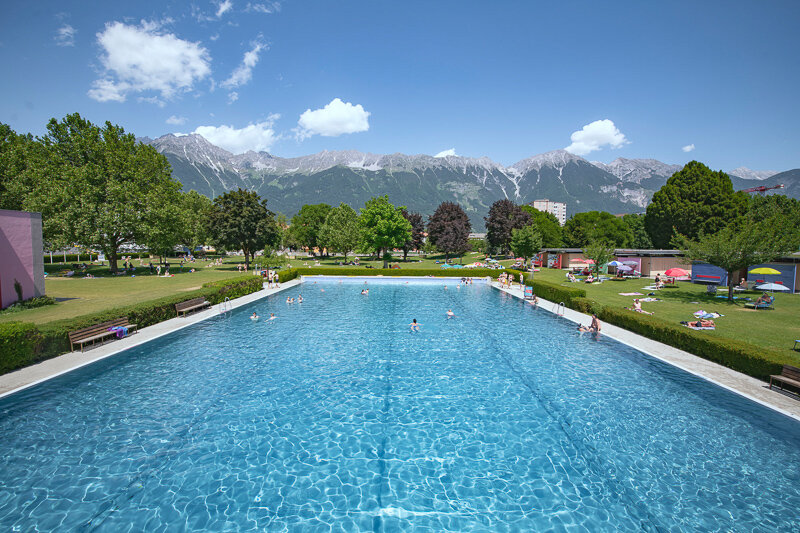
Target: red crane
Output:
[{"x": 762, "y": 188}]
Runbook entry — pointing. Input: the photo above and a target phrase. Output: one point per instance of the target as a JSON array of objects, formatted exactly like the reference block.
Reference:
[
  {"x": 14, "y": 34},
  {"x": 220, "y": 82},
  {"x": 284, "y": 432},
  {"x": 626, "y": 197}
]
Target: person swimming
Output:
[
  {"x": 289, "y": 300},
  {"x": 299, "y": 298},
  {"x": 254, "y": 316},
  {"x": 450, "y": 313},
  {"x": 271, "y": 317},
  {"x": 415, "y": 325}
]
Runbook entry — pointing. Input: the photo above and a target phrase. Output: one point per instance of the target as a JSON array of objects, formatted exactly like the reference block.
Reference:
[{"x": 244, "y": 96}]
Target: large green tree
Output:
[
  {"x": 599, "y": 252},
  {"x": 306, "y": 225},
  {"x": 747, "y": 241},
  {"x": 448, "y": 229},
  {"x": 590, "y": 226},
  {"x": 504, "y": 216},
  {"x": 641, "y": 239},
  {"x": 383, "y": 226},
  {"x": 694, "y": 201},
  {"x": 19, "y": 157},
  {"x": 417, "y": 233},
  {"x": 547, "y": 225},
  {"x": 240, "y": 220},
  {"x": 526, "y": 242},
  {"x": 341, "y": 232},
  {"x": 195, "y": 210},
  {"x": 99, "y": 187}
]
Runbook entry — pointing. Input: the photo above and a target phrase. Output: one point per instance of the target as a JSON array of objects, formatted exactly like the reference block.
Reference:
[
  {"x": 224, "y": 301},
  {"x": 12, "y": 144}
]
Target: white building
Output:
[{"x": 556, "y": 208}]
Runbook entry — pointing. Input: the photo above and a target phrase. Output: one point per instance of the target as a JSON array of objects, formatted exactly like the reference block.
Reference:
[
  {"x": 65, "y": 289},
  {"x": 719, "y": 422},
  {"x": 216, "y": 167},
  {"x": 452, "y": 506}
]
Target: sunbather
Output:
[
  {"x": 702, "y": 323},
  {"x": 637, "y": 306},
  {"x": 764, "y": 299}
]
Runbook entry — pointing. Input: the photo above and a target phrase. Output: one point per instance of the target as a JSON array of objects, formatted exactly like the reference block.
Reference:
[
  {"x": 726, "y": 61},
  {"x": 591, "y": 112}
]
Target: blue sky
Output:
[{"x": 674, "y": 81}]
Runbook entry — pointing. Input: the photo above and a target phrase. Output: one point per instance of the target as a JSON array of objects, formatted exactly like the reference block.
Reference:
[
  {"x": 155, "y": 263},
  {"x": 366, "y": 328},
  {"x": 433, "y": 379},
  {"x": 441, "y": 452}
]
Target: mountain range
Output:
[{"x": 422, "y": 182}]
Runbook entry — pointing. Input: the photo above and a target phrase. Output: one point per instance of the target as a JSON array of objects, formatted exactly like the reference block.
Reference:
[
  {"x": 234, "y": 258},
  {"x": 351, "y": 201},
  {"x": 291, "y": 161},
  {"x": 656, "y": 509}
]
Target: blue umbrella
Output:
[
  {"x": 616, "y": 264},
  {"x": 624, "y": 268}
]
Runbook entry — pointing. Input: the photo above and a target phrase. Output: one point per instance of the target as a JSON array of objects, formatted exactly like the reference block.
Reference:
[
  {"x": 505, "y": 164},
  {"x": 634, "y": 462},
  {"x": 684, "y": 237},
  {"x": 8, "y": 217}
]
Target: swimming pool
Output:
[{"x": 335, "y": 413}]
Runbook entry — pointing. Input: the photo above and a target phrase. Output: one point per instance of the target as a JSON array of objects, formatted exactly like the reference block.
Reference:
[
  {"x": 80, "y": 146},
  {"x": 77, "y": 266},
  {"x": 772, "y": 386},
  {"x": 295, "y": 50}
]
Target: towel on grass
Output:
[
  {"x": 649, "y": 299},
  {"x": 698, "y": 328},
  {"x": 631, "y": 294}
]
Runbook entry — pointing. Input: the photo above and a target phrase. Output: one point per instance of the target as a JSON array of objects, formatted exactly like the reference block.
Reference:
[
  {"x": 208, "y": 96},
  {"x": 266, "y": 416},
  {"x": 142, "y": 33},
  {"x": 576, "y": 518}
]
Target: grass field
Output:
[{"x": 776, "y": 328}]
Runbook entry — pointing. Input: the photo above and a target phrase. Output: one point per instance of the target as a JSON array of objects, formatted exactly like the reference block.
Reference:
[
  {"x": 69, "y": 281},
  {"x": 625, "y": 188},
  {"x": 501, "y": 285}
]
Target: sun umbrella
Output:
[
  {"x": 616, "y": 264},
  {"x": 632, "y": 263},
  {"x": 676, "y": 273},
  {"x": 764, "y": 270},
  {"x": 589, "y": 261},
  {"x": 624, "y": 268},
  {"x": 773, "y": 287}
]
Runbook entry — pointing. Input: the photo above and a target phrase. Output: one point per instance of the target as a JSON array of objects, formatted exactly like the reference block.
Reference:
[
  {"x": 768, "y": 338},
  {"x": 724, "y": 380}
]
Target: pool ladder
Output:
[
  {"x": 560, "y": 309},
  {"x": 225, "y": 305}
]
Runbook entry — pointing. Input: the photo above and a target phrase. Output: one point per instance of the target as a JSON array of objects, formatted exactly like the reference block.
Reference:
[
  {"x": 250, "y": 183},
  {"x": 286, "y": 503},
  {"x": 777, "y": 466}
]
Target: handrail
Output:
[
  {"x": 225, "y": 305},
  {"x": 560, "y": 308}
]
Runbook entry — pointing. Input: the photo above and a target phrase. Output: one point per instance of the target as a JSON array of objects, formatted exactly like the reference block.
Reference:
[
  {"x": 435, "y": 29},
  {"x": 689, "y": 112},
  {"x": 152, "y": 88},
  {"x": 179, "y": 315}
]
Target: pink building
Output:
[{"x": 21, "y": 256}]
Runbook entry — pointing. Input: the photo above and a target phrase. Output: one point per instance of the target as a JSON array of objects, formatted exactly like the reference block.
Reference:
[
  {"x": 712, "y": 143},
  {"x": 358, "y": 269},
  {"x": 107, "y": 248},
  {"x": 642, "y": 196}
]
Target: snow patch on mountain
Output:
[{"x": 748, "y": 174}]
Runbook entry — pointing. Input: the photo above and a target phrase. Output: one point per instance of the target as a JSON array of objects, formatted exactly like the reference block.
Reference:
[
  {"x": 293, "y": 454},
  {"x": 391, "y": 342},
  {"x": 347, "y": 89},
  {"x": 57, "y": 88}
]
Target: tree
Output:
[
  {"x": 584, "y": 228},
  {"x": 99, "y": 187},
  {"x": 341, "y": 232},
  {"x": 599, "y": 252},
  {"x": 641, "y": 240},
  {"x": 743, "y": 243},
  {"x": 694, "y": 201},
  {"x": 526, "y": 242},
  {"x": 417, "y": 233},
  {"x": 196, "y": 209},
  {"x": 504, "y": 216},
  {"x": 547, "y": 225},
  {"x": 448, "y": 229},
  {"x": 307, "y": 223},
  {"x": 241, "y": 220},
  {"x": 19, "y": 155},
  {"x": 383, "y": 226}
]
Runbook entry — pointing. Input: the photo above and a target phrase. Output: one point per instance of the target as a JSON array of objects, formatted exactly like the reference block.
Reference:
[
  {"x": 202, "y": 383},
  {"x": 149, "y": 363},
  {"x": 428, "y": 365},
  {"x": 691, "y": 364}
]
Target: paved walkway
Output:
[
  {"x": 31, "y": 375},
  {"x": 747, "y": 386}
]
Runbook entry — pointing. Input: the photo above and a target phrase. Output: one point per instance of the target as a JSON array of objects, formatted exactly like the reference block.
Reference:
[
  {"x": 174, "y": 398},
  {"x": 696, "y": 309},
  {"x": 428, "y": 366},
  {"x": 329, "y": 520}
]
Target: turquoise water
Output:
[{"x": 336, "y": 416}]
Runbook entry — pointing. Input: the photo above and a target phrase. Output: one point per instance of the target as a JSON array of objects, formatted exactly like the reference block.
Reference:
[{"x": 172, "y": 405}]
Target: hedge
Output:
[
  {"x": 22, "y": 344},
  {"x": 286, "y": 275},
  {"x": 71, "y": 258}
]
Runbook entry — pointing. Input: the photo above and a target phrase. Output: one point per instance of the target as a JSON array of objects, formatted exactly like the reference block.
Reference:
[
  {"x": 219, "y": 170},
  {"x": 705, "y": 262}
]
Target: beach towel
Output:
[
  {"x": 694, "y": 327},
  {"x": 121, "y": 331},
  {"x": 631, "y": 294},
  {"x": 649, "y": 299}
]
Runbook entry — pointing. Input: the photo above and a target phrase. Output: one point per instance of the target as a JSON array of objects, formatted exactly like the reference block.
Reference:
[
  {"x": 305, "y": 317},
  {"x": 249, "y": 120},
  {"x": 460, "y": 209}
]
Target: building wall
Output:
[
  {"x": 21, "y": 255},
  {"x": 558, "y": 209}
]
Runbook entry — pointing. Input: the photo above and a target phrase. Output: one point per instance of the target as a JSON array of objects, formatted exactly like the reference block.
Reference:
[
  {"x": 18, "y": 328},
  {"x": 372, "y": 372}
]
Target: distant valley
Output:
[{"x": 422, "y": 182}]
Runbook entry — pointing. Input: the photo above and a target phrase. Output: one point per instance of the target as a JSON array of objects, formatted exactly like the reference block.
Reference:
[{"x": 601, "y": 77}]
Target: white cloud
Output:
[
  {"x": 141, "y": 58},
  {"x": 264, "y": 7},
  {"x": 244, "y": 72},
  {"x": 65, "y": 35},
  {"x": 595, "y": 136},
  {"x": 232, "y": 97},
  {"x": 445, "y": 153},
  {"x": 688, "y": 148},
  {"x": 176, "y": 120},
  {"x": 258, "y": 137},
  {"x": 224, "y": 7},
  {"x": 333, "y": 120},
  {"x": 155, "y": 100}
]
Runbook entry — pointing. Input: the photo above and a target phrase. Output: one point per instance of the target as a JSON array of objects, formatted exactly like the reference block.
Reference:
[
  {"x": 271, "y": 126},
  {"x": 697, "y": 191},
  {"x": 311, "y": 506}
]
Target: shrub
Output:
[
  {"x": 30, "y": 303},
  {"x": 394, "y": 272},
  {"x": 72, "y": 258},
  {"x": 741, "y": 356},
  {"x": 19, "y": 343}
]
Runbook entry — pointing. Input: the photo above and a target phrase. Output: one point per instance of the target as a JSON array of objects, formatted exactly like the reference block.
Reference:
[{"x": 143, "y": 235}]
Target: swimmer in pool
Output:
[
  {"x": 289, "y": 300},
  {"x": 271, "y": 317},
  {"x": 450, "y": 314},
  {"x": 414, "y": 325},
  {"x": 254, "y": 316},
  {"x": 299, "y": 298}
]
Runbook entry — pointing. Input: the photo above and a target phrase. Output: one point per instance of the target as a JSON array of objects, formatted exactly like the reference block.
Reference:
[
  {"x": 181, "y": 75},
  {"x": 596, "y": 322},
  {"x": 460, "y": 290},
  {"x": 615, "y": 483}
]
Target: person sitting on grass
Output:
[
  {"x": 637, "y": 306},
  {"x": 571, "y": 277},
  {"x": 589, "y": 278}
]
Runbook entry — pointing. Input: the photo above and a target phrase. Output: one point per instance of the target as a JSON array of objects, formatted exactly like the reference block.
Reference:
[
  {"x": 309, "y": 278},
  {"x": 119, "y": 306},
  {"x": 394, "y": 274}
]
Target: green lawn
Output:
[
  {"x": 776, "y": 328},
  {"x": 79, "y": 296}
]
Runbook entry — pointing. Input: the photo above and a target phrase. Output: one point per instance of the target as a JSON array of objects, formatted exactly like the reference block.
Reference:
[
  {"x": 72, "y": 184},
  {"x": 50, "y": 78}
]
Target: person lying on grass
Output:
[
  {"x": 637, "y": 306},
  {"x": 700, "y": 324}
]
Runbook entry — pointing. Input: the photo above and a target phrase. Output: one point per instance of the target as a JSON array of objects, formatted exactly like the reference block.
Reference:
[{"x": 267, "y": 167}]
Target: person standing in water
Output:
[
  {"x": 414, "y": 325},
  {"x": 450, "y": 314}
]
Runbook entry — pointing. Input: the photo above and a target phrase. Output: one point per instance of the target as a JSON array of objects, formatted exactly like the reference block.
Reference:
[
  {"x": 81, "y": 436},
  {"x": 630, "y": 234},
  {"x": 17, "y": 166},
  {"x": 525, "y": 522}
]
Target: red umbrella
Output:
[
  {"x": 589, "y": 261},
  {"x": 676, "y": 273}
]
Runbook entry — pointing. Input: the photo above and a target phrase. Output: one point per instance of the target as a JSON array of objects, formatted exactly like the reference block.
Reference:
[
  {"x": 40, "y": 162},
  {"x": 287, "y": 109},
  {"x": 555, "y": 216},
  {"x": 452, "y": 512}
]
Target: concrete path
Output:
[
  {"x": 31, "y": 375},
  {"x": 747, "y": 386}
]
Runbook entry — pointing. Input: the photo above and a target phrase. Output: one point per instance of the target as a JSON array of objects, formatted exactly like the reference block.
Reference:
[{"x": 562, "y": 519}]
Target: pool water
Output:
[{"x": 336, "y": 416}]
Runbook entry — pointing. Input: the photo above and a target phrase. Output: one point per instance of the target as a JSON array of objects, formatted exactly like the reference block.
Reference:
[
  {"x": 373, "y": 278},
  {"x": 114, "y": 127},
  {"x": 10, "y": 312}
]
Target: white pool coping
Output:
[
  {"x": 32, "y": 375},
  {"x": 751, "y": 388}
]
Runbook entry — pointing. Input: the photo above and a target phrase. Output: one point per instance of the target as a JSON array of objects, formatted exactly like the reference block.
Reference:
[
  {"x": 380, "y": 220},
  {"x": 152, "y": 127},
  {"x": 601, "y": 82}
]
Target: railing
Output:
[
  {"x": 225, "y": 305},
  {"x": 560, "y": 308}
]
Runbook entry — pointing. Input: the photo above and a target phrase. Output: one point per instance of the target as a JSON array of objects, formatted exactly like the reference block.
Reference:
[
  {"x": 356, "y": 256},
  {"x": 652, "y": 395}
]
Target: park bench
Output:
[
  {"x": 789, "y": 375},
  {"x": 191, "y": 305},
  {"x": 97, "y": 332}
]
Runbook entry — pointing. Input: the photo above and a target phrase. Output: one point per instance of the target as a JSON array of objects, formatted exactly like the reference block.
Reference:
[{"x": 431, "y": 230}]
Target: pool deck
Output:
[
  {"x": 742, "y": 384},
  {"x": 31, "y": 375},
  {"x": 749, "y": 387}
]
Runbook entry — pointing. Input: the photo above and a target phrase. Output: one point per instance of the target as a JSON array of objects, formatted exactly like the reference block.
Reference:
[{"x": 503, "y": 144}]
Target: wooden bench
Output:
[
  {"x": 190, "y": 305},
  {"x": 98, "y": 332},
  {"x": 789, "y": 375}
]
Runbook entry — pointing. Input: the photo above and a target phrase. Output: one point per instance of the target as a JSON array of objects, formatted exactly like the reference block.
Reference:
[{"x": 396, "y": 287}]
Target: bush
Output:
[
  {"x": 25, "y": 344},
  {"x": 391, "y": 272},
  {"x": 743, "y": 357},
  {"x": 30, "y": 303},
  {"x": 71, "y": 258}
]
